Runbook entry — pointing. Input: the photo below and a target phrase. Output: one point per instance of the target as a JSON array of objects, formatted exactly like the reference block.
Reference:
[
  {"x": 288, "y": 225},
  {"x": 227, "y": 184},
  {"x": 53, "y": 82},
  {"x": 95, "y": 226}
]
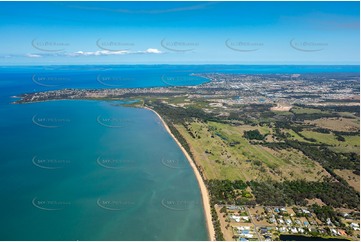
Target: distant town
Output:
[{"x": 234, "y": 89}]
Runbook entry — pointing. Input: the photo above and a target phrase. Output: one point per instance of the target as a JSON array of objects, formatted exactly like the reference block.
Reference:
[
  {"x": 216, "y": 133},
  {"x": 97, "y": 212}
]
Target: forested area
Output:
[
  {"x": 335, "y": 194},
  {"x": 272, "y": 193}
]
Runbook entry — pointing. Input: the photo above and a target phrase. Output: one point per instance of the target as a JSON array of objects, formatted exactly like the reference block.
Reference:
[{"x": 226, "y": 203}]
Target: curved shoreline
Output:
[{"x": 202, "y": 186}]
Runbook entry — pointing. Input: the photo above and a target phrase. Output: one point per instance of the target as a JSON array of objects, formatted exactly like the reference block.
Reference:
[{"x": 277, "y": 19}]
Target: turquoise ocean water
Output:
[
  {"x": 86, "y": 170},
  {"x": 94, "y": 170}
]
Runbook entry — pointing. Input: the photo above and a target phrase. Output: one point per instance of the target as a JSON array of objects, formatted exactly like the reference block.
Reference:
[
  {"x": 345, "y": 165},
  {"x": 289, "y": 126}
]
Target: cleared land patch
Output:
[
  {"x": 352, "y": 179},
  {"x": 338, "y": 124}
]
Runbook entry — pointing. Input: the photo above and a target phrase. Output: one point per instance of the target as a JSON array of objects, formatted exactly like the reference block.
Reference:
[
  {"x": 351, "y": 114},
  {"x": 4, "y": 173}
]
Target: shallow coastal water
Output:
[{"x": 86, "y": 170}]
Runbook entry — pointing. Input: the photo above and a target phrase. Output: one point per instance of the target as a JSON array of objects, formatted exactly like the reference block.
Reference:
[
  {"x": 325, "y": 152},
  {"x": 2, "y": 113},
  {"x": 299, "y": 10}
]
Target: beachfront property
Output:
[
  {"x": 239, "y": 218},
  {"x": 272, "y": 220},
  {"x": 288, "y": 221},
  {"x": 267, "y": 223},
  {"x": 244, "y": 232},
  {"x": 355, "y": 226}
]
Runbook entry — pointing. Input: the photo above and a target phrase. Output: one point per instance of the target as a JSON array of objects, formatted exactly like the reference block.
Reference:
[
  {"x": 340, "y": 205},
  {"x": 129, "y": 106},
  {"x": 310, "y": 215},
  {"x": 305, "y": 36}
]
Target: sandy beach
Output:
[{"x": 202, "y": 186}]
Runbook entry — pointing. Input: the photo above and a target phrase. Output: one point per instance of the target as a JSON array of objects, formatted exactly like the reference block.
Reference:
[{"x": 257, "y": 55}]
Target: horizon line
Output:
[{"x": 177, "y": 64}]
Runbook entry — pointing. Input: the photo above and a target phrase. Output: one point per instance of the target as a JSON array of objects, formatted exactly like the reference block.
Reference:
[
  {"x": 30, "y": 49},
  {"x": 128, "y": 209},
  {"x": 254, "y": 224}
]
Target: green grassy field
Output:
[
  {"x": 224, "y": 153},
  {"x": 283, "y": 113},
  {"x": 300, "y": 110},
  {"x": 329, "y": 139},
  {"x": 294, "y": 135},
  {"x": 351, "y": 143}
]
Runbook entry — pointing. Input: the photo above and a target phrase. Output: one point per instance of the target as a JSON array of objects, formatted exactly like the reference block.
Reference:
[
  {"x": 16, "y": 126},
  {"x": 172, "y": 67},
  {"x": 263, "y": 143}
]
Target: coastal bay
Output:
[{"x": 80, "y": 175}]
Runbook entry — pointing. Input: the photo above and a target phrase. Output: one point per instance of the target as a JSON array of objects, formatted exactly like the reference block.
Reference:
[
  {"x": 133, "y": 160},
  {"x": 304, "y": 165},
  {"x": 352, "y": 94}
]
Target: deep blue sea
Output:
[{"x": 94, "y": 170}]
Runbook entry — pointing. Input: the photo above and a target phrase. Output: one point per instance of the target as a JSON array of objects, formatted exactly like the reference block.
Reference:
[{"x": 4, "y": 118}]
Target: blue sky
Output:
[{"x": 179, "y": 33}]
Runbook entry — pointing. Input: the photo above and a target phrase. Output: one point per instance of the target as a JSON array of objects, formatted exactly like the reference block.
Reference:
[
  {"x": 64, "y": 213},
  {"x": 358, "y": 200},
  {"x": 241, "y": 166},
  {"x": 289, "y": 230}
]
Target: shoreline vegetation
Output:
[{"x": 201, "y": 183}]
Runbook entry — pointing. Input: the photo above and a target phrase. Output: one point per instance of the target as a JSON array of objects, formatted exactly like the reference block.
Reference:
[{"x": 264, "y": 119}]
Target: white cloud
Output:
[
  {"x": 97, "y": 53},
  {"x": 33, "y": 55},
  {"x": 153, "y": 51}
]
